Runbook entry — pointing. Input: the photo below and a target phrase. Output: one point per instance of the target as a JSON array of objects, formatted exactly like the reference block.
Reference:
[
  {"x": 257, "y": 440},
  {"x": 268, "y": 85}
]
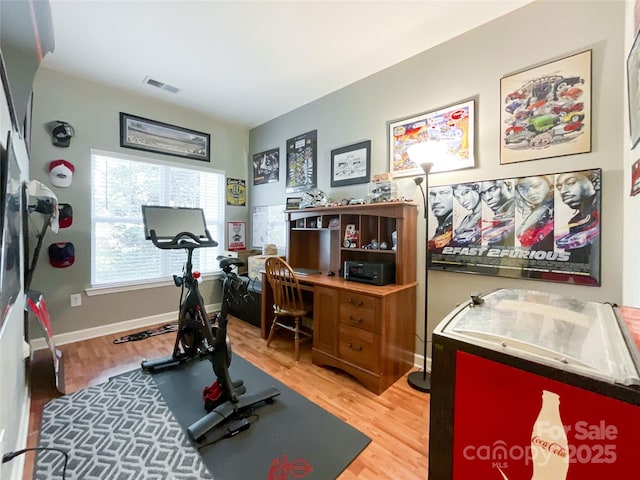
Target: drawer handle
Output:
[
  {"x": 357, "y": 348},
  {"x": 355, "y": 320},
  {"x": 357, "y": 304}
]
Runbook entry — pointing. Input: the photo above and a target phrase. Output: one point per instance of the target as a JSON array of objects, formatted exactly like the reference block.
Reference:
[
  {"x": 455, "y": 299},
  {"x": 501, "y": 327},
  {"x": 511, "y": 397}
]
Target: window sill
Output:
[{"x": 127, "y": 287}]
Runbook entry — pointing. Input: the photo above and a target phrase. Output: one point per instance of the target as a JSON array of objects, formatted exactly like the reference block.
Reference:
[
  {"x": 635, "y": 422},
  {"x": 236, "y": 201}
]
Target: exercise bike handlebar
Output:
[{"x": 183, "y": 240}]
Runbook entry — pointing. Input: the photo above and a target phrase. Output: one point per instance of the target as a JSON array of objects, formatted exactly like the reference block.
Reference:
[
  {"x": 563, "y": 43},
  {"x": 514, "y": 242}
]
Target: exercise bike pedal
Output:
[{"x": 236, "y": 426}]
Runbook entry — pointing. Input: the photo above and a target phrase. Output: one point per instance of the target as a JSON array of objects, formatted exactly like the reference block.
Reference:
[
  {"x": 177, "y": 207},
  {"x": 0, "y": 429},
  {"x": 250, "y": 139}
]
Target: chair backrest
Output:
[{"x": 284, "y": 283}]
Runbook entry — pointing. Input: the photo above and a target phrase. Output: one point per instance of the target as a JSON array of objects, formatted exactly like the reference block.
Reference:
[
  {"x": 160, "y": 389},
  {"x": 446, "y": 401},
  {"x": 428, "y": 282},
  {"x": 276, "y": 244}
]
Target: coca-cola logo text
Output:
[{"x": 552, "y": 447}]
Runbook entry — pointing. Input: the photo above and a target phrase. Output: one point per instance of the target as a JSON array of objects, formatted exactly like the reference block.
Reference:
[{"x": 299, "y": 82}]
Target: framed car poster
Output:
[
  {"x": 452, "y": 128},
  {"x": 546, "y": 111},
  {"x": 543, "y": 227},
  {"x": 302, "y": 161}
]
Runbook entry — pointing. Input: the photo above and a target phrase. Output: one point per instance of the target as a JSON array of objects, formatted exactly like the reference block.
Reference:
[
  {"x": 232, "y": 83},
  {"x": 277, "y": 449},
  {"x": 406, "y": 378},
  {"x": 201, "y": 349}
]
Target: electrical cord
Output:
[{"x": 7, "y": 457}]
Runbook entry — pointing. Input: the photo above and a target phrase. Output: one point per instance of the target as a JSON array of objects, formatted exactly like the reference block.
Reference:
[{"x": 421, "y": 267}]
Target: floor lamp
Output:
[{"x": 422, "y": 380}]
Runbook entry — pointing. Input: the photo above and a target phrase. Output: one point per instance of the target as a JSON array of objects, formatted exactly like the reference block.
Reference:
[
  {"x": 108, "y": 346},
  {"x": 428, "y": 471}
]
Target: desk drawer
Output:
[
  {"x": 357, "y": 346},
  {"x": 359, "y": 310}
]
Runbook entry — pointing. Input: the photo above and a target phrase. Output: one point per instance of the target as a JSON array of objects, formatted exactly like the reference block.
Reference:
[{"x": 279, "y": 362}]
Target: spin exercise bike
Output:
[{"x": 199, "y": 337}]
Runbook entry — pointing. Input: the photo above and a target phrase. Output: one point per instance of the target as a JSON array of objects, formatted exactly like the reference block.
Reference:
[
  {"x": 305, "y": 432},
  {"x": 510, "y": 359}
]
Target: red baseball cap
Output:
[{"x": 61, "y": 172}]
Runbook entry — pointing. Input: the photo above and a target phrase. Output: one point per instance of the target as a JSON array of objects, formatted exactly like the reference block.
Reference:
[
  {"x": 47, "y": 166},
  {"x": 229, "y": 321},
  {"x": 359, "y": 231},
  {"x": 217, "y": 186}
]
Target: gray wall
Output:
[
  {"x": 93, "y": 110},
  {"x": 470, "y": 66}
]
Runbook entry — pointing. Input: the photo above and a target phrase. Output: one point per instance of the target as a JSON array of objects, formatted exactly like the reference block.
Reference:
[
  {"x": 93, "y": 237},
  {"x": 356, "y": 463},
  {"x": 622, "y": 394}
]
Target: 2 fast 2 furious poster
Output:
[{"x": 544, "y": 227}]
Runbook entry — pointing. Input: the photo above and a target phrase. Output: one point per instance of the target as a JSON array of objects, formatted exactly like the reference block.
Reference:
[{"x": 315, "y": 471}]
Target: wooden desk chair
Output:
[{"x": 288, "y": 306}]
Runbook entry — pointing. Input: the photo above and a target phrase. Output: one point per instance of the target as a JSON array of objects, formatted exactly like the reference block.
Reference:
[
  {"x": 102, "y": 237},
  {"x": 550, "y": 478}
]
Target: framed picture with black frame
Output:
[
  {"x": 351, "y": 165},
  {"x": 157, "y": 137},
  {"x": 302, "y": 162}
]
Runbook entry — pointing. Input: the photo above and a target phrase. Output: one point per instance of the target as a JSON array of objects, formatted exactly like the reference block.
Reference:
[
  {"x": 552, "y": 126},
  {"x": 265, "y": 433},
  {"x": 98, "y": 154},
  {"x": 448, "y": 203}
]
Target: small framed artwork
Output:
[
  {"x": 236, "y": 192},
  {"x": 633, "y": 84},
  {"x": 302, "y": 162},
  {"x": 266, "y": 167},
  {"x": 157, "y": 137},
  {"x": 236, "y": 232},
  {"x": 293, "y": 203},
  {"x": 451, "y": 127},
  {"x": 635, "y": 178},
  {"x": 546, "y": 111},
  {"x": 351, "y": 165}
]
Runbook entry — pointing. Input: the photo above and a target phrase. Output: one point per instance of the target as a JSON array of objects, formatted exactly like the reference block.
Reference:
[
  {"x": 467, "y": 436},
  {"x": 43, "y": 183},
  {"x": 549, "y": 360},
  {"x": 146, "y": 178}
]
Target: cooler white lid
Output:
[{"x": 561, "y": 331}]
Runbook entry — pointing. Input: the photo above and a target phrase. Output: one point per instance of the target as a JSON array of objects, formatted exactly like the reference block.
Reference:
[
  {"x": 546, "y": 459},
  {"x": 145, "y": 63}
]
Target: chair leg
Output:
[
  {"x": 296, "y": 338},
  {"x": 272, "y": 331}
]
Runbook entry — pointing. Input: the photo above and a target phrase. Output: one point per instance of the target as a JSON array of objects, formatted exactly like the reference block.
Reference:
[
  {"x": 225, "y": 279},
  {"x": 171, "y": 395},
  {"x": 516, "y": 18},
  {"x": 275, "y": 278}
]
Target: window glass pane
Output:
[{"x": 120, "y": 253}]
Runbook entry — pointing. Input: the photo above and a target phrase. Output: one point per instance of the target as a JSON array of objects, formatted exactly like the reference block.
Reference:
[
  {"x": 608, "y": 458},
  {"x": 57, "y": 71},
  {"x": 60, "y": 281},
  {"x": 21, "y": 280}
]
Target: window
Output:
[{"x": 120, "y": 186}]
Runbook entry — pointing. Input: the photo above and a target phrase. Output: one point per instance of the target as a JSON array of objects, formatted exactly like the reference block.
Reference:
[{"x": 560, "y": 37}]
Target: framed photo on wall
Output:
[
  {"x": 266, "y": 167},
  {"x": 351, "y": 165},
  {"x": 157, "y": 137},
  {"x": 452, "y": 127},
  {"x": 633, "y": 84},
  {"x": 237, "y": 236},
  {"x": 546, "y": 111},
  {"x": 302, "y": 161}
]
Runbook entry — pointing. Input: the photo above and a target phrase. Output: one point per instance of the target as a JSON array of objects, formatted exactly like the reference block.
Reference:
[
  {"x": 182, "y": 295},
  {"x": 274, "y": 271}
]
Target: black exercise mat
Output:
[{"x": 293, "y": 436}]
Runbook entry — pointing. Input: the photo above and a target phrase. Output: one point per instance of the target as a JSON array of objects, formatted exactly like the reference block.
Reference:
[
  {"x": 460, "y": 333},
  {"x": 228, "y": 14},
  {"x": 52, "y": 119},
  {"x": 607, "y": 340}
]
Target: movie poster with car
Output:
[
  {"x": 543, "y": 227},
  {"x": 546, "y": 111}
]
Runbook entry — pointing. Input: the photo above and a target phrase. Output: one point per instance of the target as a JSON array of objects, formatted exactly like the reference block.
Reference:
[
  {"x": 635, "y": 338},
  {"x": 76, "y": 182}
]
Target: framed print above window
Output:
[
  {"x": 546, "y": 111},
  {"x": 157, "y": 137},
  {"x": 453, "y": 126},
  {"x": 302, "y": 167},
  {"x": 351, "y": 165}
]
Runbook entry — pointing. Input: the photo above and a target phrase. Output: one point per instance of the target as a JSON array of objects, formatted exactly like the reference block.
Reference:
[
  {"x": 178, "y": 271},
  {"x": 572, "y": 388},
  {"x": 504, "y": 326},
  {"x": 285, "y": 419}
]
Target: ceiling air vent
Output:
[{"x": 161, "y": 85}]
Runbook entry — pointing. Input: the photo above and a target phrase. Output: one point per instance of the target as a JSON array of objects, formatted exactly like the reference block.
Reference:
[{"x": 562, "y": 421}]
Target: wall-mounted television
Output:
[{"x": 10, "y": 273}]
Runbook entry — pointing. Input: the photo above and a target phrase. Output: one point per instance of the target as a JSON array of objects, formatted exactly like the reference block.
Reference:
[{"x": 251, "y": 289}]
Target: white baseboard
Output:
[
  {"x": 88, "y": 333},
  {"x": 418, "y": 359}
]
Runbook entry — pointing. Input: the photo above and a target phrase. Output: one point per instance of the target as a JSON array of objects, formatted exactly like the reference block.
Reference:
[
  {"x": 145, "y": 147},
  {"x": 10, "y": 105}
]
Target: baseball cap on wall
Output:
[
  {"x": 61, "y": 134},
  {"x": 61, "y": 255},
  {"x": 65, "y": 215},
  {"x": 61, "y": 173}
]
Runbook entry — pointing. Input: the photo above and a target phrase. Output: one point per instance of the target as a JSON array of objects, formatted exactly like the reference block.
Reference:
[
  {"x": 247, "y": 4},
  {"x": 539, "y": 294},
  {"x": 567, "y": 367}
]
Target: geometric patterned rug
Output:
[{"x": 119, "y": 430}]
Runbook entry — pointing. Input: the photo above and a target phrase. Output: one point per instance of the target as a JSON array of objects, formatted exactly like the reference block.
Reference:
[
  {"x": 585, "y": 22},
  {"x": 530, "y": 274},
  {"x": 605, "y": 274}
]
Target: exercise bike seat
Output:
[{"x": 228, "y": 262}]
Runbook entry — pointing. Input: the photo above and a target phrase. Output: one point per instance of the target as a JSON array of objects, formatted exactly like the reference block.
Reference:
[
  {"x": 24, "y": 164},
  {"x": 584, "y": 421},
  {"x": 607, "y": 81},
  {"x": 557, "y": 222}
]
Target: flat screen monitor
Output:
[{"x": 170, "y": 221}]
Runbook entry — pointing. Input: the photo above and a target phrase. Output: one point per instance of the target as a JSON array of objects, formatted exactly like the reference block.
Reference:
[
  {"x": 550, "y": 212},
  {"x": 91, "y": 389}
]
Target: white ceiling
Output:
[{"x": 248, "y": 62}]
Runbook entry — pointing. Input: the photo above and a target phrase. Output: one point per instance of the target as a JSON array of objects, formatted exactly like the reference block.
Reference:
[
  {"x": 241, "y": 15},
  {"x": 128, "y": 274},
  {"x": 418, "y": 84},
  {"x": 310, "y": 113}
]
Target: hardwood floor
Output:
[{"x": 396, "y": 421}]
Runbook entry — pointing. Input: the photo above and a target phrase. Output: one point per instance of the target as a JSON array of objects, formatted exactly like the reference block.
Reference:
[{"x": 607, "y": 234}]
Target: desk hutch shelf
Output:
[{"x": 365, "y": 330}]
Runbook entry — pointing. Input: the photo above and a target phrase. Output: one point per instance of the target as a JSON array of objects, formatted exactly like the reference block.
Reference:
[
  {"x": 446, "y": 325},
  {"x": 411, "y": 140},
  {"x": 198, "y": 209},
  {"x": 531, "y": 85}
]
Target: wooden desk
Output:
[{"x": 365, "y": 330}]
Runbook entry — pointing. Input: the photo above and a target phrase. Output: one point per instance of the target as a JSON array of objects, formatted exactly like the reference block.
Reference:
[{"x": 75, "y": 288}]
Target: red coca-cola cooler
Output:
[{"x": 527, "y": 385}]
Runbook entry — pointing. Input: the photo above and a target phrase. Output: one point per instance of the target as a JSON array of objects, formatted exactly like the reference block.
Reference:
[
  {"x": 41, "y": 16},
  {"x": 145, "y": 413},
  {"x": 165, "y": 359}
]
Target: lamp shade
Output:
[{"x": 431, "y": 151}]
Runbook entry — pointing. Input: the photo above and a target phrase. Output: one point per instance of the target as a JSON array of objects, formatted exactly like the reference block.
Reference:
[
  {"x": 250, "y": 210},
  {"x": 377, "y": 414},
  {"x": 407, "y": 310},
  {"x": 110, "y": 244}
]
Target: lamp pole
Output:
[{"x": 422, "y": 380}]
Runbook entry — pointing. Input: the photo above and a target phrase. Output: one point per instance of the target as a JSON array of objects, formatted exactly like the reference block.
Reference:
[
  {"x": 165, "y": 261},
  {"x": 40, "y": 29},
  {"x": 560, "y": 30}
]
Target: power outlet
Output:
[{"x": 76, "y": 299}]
